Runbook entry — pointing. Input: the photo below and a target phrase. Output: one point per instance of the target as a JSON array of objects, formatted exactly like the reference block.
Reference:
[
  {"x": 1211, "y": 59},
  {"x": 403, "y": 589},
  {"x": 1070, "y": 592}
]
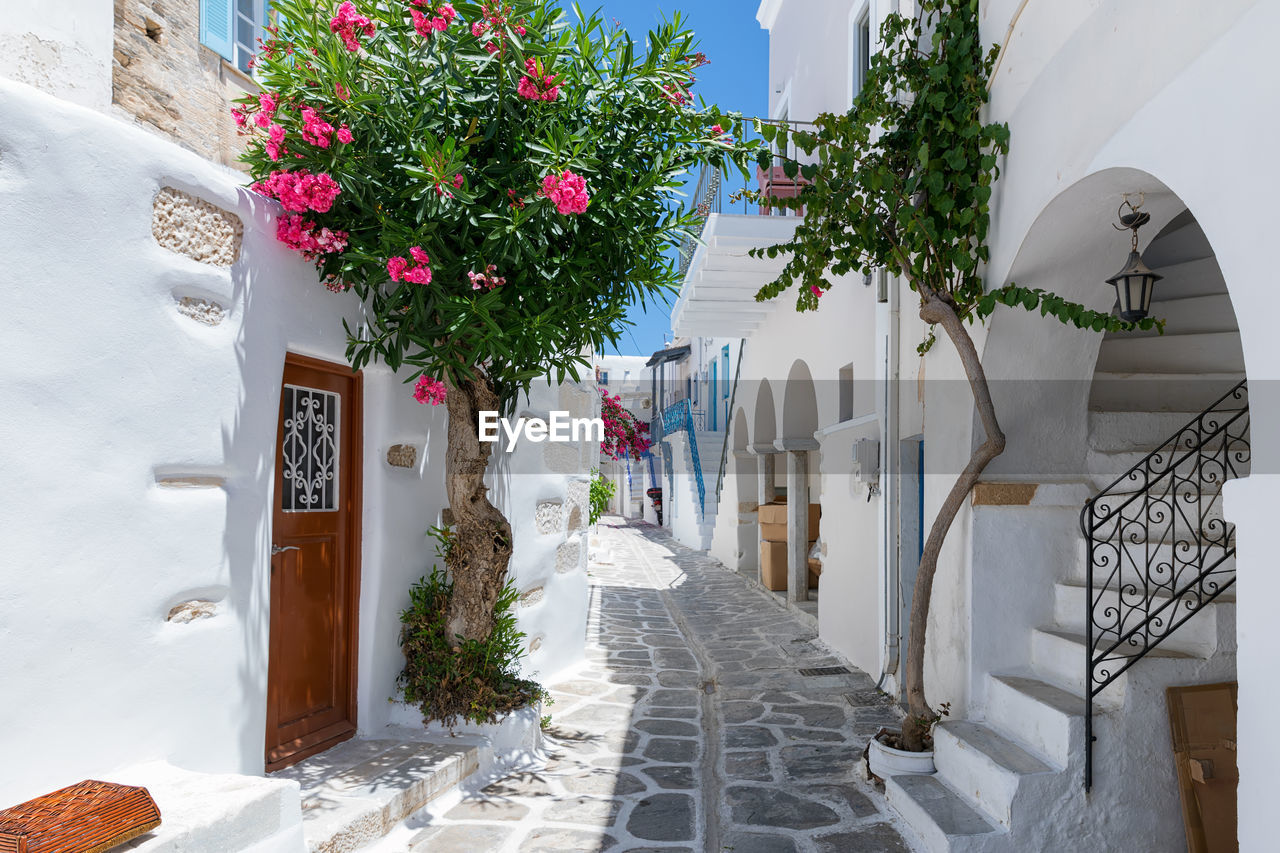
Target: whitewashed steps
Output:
[
  {"x": 1190, "y": 315},
  {"x": 1139, "y": 431},
  {"x": 990, "y": 770},
  {"x": 1059, "y": 654},
  {"x": 1210, "y": 628},
  {"x": 1195, "y": 277},
  {"x": 1217, "y": 352},
  {"x": 1046, "y": 718},
  {"x": 203, "y": 811},
  {"x": 1154, "y": 391},
  {"x": 355, "y": 793},
  {"x": 942, "y": 819}
]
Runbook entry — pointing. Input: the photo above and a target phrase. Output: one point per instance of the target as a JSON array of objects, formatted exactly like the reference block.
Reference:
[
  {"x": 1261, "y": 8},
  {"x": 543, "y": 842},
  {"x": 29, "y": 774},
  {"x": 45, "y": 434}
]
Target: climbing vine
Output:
[{"x": 903, "y": 182}]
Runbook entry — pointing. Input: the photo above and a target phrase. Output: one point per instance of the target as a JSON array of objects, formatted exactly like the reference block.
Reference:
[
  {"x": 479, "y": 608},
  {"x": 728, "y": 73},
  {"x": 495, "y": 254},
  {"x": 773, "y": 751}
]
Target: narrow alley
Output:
[{"x": 697, "y": 723}]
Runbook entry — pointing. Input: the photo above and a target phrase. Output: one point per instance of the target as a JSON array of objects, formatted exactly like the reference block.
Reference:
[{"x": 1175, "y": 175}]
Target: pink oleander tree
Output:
[{"x": 494, "y": 182}]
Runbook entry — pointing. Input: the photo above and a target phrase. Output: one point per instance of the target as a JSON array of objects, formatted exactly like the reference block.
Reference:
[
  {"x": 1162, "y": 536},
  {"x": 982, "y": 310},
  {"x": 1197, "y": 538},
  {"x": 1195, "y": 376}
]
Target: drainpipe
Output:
[{"x": 891, "y": 474}]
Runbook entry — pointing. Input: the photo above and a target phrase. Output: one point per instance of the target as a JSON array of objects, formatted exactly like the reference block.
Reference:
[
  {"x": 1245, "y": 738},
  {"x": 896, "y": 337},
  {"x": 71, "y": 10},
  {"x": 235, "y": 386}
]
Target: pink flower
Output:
[
  {"x": 299, "y": 190},
  {"x": 567, "y": 191},
  {"x": 315, "y": 129},
  {"x": 238, "y": 113},
  {"x": 478, "y": 28},
  {"x": 399, "y": 270},
  {"x": 486, "y": 280},
  {"x": 457, "y": 182},
  {"x": 347, "y": 23},
  {"x": 537, "y": 86},
  {"x": 306, "y": 237},
  {"x": 817, "y": 291},
  {"x": 273, "y": 146},
  {"x": 428, "y": 390},
  {"x": 717, "y": 129},
  {"x": 268, "y": 103},
  {"x": 344, "y": 134},
  {"x": 342, "y": 92}
]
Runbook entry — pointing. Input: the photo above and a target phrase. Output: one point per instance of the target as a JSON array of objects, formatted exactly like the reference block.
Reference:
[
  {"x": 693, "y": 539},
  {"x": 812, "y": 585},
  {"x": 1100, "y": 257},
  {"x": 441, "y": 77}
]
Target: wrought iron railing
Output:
[
  {"x": 680, "y": 417},
  {"x": 1157, "y": 547}
]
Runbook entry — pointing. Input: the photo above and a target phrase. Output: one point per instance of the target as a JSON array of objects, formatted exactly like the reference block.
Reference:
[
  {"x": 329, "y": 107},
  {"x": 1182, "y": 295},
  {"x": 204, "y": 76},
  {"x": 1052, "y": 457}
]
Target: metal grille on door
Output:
[{"x": 310, "y": 450}]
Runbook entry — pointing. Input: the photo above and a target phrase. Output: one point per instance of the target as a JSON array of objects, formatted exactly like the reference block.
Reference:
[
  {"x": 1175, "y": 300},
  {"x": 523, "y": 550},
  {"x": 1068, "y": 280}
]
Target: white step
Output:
[
  {"x": 1058, "y": 654},
  {"x": 1047, "y": 718},
  {"x": 355, "y": 793},
  {"x": 1217, "y": 352},
  {"x": 1158, "y": 391},
  {"x": 941, "y": 818},
  {"x": 203, "y": 811},
  {"x": 1212, "y": 627},
  {"x": 1149, "y": 553},
  {"x": 1134, "y": 431},
  {"x": 1190, "y": 315},
  {"x": 1194, "y": 277},
  {"x": 990, "y": 770}
]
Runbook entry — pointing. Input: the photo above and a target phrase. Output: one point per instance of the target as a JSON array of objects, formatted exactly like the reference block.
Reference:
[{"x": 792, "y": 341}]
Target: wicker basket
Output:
[{"x": 88, "y": 817}]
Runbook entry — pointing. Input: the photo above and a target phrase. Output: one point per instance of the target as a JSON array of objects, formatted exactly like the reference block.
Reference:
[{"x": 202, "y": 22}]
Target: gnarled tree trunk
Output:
[
  {"x": 934, "y": 310},
  {"x": 481, "y": 547}
]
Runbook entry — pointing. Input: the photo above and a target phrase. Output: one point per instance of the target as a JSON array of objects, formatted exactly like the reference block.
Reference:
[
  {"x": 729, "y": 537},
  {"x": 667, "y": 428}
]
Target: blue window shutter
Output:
[{"x": 215, "y": 27}]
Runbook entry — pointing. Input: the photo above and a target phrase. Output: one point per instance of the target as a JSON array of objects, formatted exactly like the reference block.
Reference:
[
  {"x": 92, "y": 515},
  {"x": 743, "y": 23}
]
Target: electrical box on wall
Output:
[{"x": 866, "y": 463}]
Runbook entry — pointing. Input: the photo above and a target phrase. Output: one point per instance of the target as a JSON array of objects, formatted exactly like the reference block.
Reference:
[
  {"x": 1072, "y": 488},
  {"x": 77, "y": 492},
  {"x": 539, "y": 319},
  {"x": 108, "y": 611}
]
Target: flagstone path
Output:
[{"x": 690, "y": 727}]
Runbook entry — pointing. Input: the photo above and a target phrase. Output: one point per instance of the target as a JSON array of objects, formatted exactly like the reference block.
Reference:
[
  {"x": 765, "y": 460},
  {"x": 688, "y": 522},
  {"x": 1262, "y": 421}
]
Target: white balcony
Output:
[{"x": 718, "y": 296}]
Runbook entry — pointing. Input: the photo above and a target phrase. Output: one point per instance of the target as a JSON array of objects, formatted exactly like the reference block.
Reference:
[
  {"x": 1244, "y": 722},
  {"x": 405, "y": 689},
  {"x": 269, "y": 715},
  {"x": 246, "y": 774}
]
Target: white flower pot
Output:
[{"x": 885, "y": 761}]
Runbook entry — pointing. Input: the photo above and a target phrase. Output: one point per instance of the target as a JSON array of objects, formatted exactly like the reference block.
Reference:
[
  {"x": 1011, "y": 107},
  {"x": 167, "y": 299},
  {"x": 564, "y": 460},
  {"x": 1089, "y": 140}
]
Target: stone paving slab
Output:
[{"x": 688, "y": 727}]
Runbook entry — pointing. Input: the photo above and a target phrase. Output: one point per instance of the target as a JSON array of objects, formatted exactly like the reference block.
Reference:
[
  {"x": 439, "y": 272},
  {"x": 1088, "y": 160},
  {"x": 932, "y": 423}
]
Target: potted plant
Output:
[{"x": 887, "y": 754}]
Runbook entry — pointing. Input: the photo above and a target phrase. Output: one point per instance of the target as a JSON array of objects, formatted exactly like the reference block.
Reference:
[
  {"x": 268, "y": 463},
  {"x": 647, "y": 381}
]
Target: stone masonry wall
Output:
[{"x": 162, "y": 77}]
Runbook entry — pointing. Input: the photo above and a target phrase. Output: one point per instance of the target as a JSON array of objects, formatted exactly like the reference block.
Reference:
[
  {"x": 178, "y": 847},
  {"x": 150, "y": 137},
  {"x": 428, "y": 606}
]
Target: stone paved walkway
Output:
[{"x": 689, "y": 728}]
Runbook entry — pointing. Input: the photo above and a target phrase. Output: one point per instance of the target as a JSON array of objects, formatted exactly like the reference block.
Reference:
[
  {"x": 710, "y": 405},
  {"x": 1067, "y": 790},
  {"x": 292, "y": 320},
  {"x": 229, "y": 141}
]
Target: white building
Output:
[
  {"x": 157, "y": 343},
  {"x": 1098, "y": 107}
]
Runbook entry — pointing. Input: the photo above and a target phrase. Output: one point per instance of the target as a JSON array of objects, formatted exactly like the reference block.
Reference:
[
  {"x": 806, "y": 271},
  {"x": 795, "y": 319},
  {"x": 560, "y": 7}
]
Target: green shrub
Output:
[
  {"x": 478, "y": 680},
  {"x": 602, "y": 490}
]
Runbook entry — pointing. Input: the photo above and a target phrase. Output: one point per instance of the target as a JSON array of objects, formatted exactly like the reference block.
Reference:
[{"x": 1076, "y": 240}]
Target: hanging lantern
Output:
[{"x": 1136, "y": 282}]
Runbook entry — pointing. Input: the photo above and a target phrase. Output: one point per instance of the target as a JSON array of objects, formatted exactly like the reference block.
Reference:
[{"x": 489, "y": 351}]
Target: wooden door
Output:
[
  {"x": 1203, "y": 722},
  {"x": 315, "y": 571}
]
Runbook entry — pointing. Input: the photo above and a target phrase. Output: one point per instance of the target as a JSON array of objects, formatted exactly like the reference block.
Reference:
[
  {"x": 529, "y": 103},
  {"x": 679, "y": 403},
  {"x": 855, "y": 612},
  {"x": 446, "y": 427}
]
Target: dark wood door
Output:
[{"x": 311, "y": 677}]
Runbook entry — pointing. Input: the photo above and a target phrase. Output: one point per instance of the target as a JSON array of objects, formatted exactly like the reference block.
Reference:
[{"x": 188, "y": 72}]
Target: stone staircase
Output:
[
  {"x": 1014, "y": 779},
  {"x": 710, "y": 447}
]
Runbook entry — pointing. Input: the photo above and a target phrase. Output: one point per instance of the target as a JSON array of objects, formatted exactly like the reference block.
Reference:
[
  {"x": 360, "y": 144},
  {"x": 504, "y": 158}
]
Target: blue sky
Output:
[{"x": 736, "y": 80}]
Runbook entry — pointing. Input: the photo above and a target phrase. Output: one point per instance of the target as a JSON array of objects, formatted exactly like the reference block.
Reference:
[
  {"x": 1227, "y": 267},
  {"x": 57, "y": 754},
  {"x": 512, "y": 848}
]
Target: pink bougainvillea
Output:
[
  {"x": 300, "y": 190},
  {"x": 817, "y": 291},
  {"x": 428, "y": 390},
  {"x": 348, "y": 24},
  {"x": 567, "y": 191},
  {"x": 537, "y": 85},
  {"x": 624, "y": 435},
  {"x": 303, "y": 235},
  {"x": 400, "y": 269}
]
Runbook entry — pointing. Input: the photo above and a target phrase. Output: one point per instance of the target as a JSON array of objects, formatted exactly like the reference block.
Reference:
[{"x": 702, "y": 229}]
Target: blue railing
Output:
[{"x": 677, "y": 417}]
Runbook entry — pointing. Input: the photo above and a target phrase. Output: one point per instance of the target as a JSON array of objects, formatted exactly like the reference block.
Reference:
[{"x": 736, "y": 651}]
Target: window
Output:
[
  {"x": 604, "y": 377},
  {"x": 859, "y": 49},
  {"x": 231, "y": 28},
  {"x": 724, "y": 371}
]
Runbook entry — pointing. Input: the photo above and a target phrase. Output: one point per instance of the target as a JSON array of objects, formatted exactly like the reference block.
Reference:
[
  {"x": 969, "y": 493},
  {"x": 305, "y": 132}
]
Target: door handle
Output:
[{"x": 276, "y": 549}]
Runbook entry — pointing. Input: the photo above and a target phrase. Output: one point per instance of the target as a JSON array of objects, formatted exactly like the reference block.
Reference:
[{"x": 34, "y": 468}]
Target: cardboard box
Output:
[
  {"x": 773, "y": 565},
  {"x": 815, "y": 571},
  {"x": 773, "y": 521}
]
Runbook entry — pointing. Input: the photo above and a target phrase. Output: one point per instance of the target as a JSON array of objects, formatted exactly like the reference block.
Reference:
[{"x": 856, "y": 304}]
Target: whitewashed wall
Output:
[{"x": 114, "y": 397}]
